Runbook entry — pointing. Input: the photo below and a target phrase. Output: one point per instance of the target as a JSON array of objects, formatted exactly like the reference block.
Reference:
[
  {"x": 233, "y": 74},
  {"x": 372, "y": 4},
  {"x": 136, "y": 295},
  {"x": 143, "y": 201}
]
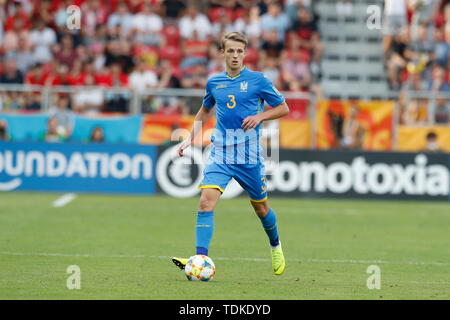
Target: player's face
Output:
[{"x": 234, "y": 53}]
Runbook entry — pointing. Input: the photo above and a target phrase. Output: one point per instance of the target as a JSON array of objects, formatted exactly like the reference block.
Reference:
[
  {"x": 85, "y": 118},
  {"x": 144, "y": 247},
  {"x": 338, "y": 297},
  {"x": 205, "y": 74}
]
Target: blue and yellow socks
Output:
[
  {"x": 204, "y": 231},
  {"x": 269, "y": 223}
]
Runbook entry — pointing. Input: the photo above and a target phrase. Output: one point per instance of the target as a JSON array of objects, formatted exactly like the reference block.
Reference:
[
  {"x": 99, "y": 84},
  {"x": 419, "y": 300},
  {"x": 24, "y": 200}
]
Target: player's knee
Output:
[
  {"x": 261, "y": 208},
  {"x": 206, "y": 204}
]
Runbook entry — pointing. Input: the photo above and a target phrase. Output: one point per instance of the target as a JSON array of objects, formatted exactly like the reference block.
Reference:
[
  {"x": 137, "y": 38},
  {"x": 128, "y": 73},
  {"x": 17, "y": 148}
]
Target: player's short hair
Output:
[{"x": 235, "y": 36}]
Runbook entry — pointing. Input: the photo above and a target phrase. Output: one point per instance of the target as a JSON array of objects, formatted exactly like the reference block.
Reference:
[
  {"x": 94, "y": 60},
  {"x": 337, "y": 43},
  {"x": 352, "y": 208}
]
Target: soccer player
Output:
[{"x": 239, "y": 95}]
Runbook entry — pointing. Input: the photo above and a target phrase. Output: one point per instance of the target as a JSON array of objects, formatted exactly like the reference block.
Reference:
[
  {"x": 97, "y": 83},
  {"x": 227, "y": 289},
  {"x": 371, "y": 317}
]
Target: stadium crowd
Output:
[
  {"x": 416, "y": 46},
  {"x": 140, "y": 44}
]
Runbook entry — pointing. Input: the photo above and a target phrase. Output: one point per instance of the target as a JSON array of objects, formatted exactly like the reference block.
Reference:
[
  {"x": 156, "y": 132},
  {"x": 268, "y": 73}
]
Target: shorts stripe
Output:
[
  {"x": 262, "y": 200},
  {"x": 212, "y": 187}
]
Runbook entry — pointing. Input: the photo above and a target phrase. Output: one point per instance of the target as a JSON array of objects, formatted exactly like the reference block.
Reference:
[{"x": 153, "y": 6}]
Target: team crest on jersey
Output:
[{"x": 244, "y": 86}]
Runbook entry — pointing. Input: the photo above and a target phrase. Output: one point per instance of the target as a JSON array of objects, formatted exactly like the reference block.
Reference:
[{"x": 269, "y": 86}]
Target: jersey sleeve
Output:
[
  {"x": 269, "y": 93},
  {"x": 208, "y": 99}
]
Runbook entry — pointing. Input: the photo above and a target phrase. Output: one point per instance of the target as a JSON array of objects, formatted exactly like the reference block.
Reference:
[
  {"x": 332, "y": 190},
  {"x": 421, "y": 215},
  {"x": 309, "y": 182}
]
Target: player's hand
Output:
[
  {"x": 183, "y": 146},
  {"x": 251, "y": 122}
]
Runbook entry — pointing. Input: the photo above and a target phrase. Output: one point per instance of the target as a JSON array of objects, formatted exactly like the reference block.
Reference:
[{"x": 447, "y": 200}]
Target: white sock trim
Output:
[{"x": 276, "y": 247}]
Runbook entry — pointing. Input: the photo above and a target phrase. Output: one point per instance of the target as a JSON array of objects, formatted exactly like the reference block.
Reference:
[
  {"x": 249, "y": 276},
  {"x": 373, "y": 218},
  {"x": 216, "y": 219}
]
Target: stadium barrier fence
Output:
[{"x": 306, "y": 110}]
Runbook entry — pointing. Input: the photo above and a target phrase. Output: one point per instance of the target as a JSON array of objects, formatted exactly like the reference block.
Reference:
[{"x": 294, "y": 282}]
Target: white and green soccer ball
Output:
[{"x": 200, "y": 268}]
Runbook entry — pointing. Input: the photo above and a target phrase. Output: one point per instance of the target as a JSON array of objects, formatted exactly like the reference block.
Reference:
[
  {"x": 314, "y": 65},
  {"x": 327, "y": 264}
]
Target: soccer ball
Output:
[{"x": 200, "y": 268}]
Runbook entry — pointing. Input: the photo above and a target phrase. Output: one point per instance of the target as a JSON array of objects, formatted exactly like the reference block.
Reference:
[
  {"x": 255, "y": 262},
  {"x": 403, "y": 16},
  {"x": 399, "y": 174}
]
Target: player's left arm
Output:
[
  {"x": 271, "y": 114},
  {"x": 274, "y": 98}
]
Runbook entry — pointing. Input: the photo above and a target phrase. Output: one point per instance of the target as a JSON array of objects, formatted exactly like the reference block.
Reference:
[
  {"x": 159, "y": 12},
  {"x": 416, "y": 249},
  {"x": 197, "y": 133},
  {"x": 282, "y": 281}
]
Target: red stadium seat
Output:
[
  {"x": 171, "y": 53},
  {"x": 238, "y": 13},
  {"x": 215, "y": 13},
  {"x": 252, "y": 56},
  {"x": 172, "y": 35}
]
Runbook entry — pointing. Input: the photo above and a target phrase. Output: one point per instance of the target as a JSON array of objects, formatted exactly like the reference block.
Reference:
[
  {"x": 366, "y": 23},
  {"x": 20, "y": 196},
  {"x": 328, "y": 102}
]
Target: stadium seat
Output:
[
  {"x": 238, "y": 13},
  {"x": 172, "y": 35},
  {"x": 171, "y": 53},
  {"x": 252, "y": 56},
  {"x": 214, "y": 13}
]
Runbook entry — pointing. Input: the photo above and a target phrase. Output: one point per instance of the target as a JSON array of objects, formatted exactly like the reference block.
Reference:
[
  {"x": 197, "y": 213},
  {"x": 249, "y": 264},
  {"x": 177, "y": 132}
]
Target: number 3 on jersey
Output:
[{"x": 232, "y": 102}]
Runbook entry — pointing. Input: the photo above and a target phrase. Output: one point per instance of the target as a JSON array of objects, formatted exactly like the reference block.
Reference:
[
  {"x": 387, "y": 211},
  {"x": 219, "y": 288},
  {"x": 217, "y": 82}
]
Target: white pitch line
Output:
[
  {"x": 63, "y": 200},
  {"x": 142, "y": 256}
]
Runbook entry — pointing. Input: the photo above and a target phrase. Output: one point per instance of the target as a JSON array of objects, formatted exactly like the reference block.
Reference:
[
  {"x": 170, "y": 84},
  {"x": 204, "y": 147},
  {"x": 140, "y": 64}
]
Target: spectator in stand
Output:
[
  {"x": 271, "y": 47},
  {"x": 307, "y": 31},
  {"x": 431, "y": 142},
  {"x": 167, "y": 76},
  {"x": 42, "y": 39},
  {"x": 121, "y": 18},
  {"x": 11, "y": 100},
  {"x": 442, "y": 111},
  {"x": 32, "y": 101},
  {"x": 414, "y": 113},
  {"x": 167, "y": 79},
  {"x": 216, "y": 64},
  {"x": 271, "y": 71},
  {"x": 119, "y": 52},
  {"x": 36, "y": 75},
  {"x": 422, "y": 43},
  {"x": 60, "y": 18},
  {"x": 291, "y": 8},
  {"x": 100, "y": 36},
  {"x": 117, "y": 101},
  {"x": 173, "y": 9},
  {"x": 66, "y": 53},
  {"x": 192, "y": 21},
  {"x": 2, "y": 19},
  {"x": 442, "y": 49},
  {"x": 4, "y": 136},
  {"x": 97, "y": 51},
  {"x": 12, "y": 36},
  {"x": 22, "y": 56},
  {"x": 395, "y": 19},
  {"x": 43, "y": 12},
  {"x": 438, "y": 82},
  {"x": 141, "y": 78},
  {"x": 11, "y": 75},
  {"x": 250, "y": 24},
  {"x": 94, "y": 15},
  {"x": 90, "y": 98},
  {"x": 97, "y": 135},
  {"x": 195, "y": 51},
  {"x": 53, "y": 134},
  {"x": 63, "y": 114},
  {"x": 352, "y": 130},
  {"x": 61, "y": 77},
  {"x": 148, "y": 26},
  {"x": 274, "y": 19},
  {"x": 263, "y": 6},
  {"x": 398, "y": 58},
  {"x": 223, "y": 24},
  {"x": 424, "y": 12},
  {"x": 19, "y": 13},
  {"x": 295, "y": 67},
  {"x": 196, "y": 77}
]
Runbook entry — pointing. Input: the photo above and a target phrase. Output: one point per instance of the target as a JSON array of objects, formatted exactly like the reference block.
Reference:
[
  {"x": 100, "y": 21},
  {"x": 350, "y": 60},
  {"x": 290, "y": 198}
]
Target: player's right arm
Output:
[{"x": 202, "y": 115}]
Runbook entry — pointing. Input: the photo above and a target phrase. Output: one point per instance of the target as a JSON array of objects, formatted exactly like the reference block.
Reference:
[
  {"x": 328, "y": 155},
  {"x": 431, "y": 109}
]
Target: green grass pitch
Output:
[{"x": 123, "y": 245}]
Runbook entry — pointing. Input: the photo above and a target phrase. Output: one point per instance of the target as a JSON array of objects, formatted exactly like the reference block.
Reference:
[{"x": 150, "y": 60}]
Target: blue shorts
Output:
[{"x": 251, "y": 177}]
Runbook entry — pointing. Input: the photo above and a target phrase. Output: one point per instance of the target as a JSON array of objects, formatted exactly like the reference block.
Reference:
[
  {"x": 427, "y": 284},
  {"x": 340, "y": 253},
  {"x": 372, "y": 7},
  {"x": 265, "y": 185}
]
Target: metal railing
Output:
[{"x": 137, "y": 98}]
